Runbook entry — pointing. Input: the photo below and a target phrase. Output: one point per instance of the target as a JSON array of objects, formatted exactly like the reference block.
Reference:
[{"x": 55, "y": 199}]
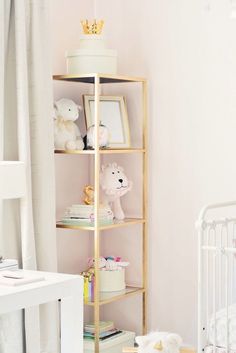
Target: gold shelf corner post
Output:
[
  {"x": 96, "y": 206},
  {"x": 145, "y": 206}
]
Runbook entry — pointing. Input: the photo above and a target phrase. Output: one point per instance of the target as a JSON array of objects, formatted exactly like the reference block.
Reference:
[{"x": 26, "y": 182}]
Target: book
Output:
[
  {"x": 86, "y": 222},
  {"x": 103, "y": 327},
  {"x": 103, "y": 335},
  {"x": 18, "y": 278}
]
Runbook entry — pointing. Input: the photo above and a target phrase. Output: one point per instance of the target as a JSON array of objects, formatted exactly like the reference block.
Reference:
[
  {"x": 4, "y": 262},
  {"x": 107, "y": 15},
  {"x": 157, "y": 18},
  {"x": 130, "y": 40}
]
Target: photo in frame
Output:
[{"x": 113, "y": 114}]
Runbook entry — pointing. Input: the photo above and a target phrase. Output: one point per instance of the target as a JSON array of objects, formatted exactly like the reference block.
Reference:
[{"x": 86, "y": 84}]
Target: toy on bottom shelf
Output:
[
  {"x": 164, "y": 342},
  {"x": 67, "y": 135},
  {"x": 111, "y": 275},
  {"x": 114, "y": 184}
]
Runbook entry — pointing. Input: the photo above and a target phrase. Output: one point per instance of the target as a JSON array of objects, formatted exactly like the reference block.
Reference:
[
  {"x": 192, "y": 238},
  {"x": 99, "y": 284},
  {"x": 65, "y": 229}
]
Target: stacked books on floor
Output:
[
  {"x": 106, "y": 330},
  {"x": 83, "y": 215}
]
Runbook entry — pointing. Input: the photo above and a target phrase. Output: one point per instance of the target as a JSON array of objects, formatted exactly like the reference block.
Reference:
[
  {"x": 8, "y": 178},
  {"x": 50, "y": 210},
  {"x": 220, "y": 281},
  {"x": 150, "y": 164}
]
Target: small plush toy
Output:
[
  {"x": 102, "y": 262},
  {"x": 67, "y": 135},
  {"x": 103, "y": 136},
  {"x": 109, "y": 263},
  {"x": 114, "y": 184},
  {"x": 164, "y": 342}
]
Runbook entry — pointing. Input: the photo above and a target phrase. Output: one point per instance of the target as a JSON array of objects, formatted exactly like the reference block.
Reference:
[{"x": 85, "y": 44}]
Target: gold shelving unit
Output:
[{"x": 101, "y": 299}]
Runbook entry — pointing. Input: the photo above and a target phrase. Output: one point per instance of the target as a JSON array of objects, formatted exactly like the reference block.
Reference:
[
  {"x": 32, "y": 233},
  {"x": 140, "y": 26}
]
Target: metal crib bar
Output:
[
  {"x": 207, "y": 283},
  {"x": 200, "y": 290},
  {"x": 223, "y": 249},
  {"x": 227, "y": 291},
  {"x": 214, "y": 291}
]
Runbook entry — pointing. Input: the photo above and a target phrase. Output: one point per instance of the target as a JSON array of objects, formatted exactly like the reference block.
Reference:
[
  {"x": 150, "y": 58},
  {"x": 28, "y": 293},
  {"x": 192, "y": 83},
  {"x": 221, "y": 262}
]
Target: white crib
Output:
[{"x": 216, "y": 278}]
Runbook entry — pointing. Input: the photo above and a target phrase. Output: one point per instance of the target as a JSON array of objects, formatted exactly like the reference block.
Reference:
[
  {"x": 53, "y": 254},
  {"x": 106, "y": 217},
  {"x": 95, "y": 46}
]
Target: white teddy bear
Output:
[
  {"x": 67, "y": 135},
  {"x": 114, "y": 184},
  {"x": 164, "y": 342}
]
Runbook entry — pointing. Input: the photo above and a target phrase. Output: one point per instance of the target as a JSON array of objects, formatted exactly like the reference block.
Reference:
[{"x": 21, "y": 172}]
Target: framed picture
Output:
[{"x": 113, "y": 114}]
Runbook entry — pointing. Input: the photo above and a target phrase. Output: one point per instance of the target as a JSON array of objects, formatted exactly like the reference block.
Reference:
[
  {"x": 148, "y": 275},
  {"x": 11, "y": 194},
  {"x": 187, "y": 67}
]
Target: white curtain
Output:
[{"x": 26, "y": 134}]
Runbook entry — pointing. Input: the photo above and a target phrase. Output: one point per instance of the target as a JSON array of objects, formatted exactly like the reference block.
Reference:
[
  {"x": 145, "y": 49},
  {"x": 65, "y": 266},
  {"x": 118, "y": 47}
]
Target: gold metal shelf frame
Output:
[{"x": 97, "y": 80}]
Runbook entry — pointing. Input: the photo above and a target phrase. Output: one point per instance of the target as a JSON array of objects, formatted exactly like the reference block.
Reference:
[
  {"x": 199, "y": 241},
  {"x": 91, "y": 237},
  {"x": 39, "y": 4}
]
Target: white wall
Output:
[{"x": 188, "y": 55}]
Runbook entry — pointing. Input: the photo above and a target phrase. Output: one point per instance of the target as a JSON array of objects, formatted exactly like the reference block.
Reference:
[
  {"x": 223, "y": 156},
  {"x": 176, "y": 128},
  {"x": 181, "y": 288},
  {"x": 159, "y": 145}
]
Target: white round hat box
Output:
[
  {"x": 112, "y": 281},
  {"x": 91, "y": 57},
  {"x": 83, "y": 61}
]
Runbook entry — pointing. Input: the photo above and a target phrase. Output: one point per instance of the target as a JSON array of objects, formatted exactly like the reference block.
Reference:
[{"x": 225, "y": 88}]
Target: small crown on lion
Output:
[{"x": 92, "y": 27}]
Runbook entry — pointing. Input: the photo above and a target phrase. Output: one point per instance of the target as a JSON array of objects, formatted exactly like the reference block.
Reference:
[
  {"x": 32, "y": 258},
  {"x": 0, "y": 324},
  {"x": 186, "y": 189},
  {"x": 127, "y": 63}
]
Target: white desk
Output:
[{"x": 67, "y": 288}]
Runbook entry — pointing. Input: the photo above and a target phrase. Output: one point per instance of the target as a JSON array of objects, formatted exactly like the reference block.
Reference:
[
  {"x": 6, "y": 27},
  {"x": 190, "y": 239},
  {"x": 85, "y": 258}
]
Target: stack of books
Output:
[
  {"x": 83, "y": 215},
  {"x": 106, "y": 330}
]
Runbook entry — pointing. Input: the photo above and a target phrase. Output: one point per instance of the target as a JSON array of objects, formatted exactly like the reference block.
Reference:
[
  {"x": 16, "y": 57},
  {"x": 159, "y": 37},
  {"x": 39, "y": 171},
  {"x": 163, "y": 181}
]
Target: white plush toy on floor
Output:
[
  {"x": 67, "y": 135},
  {"x": 164, "y": 342},
  {"x": 114, "y": 184}
]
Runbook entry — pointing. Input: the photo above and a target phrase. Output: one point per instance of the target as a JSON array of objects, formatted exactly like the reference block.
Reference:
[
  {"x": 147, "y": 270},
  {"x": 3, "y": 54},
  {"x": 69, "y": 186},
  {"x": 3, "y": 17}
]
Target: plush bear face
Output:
[
  {"x": 66, "y": 109},
  {"x": 113, "y": 179},
  {"x": 159, "y": 342}
]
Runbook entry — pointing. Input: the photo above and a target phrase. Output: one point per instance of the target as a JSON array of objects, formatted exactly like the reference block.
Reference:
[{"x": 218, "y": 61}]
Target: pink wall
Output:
[{"x": 188, "y": 55}]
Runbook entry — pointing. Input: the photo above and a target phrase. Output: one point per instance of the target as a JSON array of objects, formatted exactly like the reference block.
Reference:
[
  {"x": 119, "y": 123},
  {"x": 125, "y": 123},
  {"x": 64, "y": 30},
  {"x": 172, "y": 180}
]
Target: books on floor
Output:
[
  {"x": 84, "y": 215},
  {"x": 106, "y": 330}
]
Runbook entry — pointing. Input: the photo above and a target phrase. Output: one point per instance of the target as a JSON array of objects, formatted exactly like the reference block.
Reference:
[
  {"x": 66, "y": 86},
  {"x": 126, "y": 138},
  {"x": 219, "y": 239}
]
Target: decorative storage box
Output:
[
  {"x": 112, "y": 281},
  {"x": 112, "y": 345},
  {"x": 92, "y": 57}
]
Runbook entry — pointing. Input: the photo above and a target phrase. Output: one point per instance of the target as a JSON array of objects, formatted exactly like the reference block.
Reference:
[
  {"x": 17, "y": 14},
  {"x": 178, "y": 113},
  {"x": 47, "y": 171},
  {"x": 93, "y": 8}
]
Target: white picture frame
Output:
[{"x": 113, "y": 114}]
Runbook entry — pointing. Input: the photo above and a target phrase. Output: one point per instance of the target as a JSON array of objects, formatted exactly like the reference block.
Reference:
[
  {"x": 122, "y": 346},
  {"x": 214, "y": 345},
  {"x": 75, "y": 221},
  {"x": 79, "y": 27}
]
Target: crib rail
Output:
[{"x": 216, "y": 270}]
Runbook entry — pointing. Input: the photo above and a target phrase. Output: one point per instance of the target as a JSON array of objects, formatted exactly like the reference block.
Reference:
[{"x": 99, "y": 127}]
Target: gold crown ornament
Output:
[{"x": 92, "y": 27}]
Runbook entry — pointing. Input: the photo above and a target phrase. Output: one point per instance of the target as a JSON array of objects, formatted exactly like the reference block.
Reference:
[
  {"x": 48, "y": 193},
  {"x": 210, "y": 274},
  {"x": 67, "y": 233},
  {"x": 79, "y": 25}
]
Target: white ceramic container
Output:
[{"x": 112, "y": 281}]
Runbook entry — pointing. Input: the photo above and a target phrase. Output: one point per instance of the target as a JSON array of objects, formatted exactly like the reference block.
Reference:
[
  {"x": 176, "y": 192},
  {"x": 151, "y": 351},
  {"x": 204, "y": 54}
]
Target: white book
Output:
[{"x": 18, "y": 278}]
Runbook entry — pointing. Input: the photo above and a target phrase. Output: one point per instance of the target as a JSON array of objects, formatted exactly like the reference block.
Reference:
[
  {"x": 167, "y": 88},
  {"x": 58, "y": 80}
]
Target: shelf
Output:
[
  {"x": 104, "y": 78},
  {"x": 74, "y": 152},
  {"x": 116, "y": 224},
  {"x": 109, "y": 297},
  {"x": 102, "y": 151}
]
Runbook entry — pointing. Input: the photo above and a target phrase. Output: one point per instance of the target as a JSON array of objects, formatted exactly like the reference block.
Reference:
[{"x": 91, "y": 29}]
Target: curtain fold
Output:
[{"x": 26, "y": 112}]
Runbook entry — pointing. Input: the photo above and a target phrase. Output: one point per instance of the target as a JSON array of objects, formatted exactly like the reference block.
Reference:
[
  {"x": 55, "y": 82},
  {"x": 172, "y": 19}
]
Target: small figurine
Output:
[
  {"x": 103, "y": 136},
  {"x": 89, "y": 195},
  {"x": 109, "y": 263}
]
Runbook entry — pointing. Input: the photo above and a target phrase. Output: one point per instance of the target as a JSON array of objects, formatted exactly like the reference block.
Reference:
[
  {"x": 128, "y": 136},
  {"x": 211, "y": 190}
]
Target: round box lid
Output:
[{"x": 90, "y": 52}]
